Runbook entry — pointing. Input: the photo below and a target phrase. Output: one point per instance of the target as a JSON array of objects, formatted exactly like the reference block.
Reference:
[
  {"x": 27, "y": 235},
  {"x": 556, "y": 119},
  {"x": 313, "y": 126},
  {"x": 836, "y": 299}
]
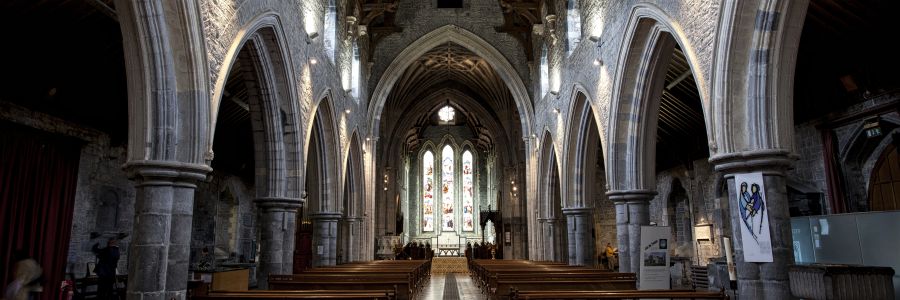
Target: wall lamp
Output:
[{"x": 596, "y": 39}]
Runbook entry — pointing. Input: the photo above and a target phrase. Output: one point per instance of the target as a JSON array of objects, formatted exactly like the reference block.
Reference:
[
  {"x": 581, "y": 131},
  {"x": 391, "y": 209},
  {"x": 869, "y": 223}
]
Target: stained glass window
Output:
[
  {"x": 428, "y": 191},
  {"x": 468, "y": 192},
  {"x": 447, "y": 188}
]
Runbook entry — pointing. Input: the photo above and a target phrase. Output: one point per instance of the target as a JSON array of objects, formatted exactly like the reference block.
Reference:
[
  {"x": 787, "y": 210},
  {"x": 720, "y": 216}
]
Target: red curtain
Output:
[
  {"x": 833, "y": 172},
  {"x": 38, "y": 176}
]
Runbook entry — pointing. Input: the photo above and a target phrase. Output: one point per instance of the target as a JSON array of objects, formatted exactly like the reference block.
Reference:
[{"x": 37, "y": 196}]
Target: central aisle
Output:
[{"x": 451, "y": 286}]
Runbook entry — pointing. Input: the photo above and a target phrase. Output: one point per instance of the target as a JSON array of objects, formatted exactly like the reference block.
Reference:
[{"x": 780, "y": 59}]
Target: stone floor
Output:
[{"x": 451, "y": 286}]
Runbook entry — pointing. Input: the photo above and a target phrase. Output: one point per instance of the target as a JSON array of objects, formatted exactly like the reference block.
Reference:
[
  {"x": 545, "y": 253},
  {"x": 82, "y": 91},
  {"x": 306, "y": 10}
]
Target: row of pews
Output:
[
  {"x": 382, "y": 279},
  {"x": 523, "y": 279}
]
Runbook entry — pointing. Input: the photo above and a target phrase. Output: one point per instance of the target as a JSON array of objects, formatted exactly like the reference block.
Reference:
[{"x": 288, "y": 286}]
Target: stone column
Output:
[
  {"x": 354, "y": 237},
  {"x": 277, "y": 225},
  {"x": 581, "y": 246},
  {"x": 325, "y": 227},
  {"x": 159, "y": 250},
  {"x": 540, "y": 244},
  {"x": 549, "y": 236},
  {"x": 631, "y": 213},
  {"x": 761, "y": 280},
  {"x": 180, "y": 239}
]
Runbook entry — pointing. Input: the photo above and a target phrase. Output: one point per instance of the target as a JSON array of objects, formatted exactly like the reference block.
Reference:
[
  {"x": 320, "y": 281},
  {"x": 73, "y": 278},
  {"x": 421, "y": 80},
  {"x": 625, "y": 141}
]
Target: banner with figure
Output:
[{"x": 753, "y": 208}]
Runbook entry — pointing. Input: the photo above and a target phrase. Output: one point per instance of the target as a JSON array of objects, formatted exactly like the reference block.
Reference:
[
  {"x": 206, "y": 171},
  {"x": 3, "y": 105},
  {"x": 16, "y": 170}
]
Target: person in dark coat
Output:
[{"x": 107, "y": 260}]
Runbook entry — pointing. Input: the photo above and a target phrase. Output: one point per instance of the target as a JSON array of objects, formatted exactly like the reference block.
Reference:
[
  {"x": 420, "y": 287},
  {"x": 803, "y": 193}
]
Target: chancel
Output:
[{"x": 435, "y": 149}]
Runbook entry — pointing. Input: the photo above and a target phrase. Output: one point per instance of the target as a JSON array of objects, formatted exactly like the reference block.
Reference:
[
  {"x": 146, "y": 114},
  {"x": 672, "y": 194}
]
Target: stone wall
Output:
[
  {"x": 703, "y": 196},
  {"x": 224, "y": 218},
  {"x": 104, "y": 197}
]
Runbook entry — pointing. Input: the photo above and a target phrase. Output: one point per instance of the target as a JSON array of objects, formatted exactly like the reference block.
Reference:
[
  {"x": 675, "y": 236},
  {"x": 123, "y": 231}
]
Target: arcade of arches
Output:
[{"x": 284, "y": 135}]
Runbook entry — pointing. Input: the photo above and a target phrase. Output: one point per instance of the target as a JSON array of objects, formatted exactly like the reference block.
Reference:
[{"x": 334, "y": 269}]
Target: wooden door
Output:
[
  {"x": 303, "y": 247},
  {"x": 884, "y": 184}
]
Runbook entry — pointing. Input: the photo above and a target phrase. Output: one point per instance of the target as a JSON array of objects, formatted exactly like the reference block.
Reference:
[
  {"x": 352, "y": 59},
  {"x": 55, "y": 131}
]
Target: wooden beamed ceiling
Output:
[
  {"x": 519, "y": 17},
  {"x": 379, "y": 18}
]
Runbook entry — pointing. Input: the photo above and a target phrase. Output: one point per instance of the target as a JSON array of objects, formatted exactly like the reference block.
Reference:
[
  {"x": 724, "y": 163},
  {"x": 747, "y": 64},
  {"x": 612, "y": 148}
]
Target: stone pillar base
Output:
[
  {"x": 325, "y": 227},
  {"x": 160, "y": 247},
  {"x": 631, "y": 213},
  {"x": 581, "y": 242},
  {"x": 277, "y": 224}
]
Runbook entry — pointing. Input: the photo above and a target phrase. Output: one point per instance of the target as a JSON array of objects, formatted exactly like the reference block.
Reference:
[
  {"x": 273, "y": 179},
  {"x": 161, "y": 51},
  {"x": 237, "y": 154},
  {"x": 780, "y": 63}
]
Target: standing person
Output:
[
  {"x": 107, "y": 260},
  {"x": 207, "y": 262},
  {"x": 26, "y": 277},
  {"x": 610, "y": 256}
]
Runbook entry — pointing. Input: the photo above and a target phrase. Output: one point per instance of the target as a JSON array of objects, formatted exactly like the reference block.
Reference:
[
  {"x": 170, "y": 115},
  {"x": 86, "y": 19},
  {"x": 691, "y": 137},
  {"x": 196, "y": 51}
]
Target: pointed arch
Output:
[
  {"x": 322, "y": 143},
  {"x": 441, "y": 36},
  {"x": 584, "y": 151},
  {"x": 269, "y": 25},
  {"x": 650, "y": 39}
]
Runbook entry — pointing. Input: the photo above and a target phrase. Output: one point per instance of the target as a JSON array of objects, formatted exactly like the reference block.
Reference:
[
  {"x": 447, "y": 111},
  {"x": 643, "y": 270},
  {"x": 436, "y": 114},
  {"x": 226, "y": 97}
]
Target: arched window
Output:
[
  {"x": 573, "y": 26},
  {"x": 544, "y": 72},
  {"x": 428, "y": 191},
  {"x": 447, "y": 188},
  {"x": 330, "y": 29},
  {"x": 354, "y": 72},
  {"x": 468, "y": 192}
]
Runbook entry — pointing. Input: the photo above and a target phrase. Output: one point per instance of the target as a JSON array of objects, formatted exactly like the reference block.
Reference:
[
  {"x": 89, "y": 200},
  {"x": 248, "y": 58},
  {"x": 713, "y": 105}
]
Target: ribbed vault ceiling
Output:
[
  {"x": 448, "y": 74},
  {"x": 444, "y": 66}
]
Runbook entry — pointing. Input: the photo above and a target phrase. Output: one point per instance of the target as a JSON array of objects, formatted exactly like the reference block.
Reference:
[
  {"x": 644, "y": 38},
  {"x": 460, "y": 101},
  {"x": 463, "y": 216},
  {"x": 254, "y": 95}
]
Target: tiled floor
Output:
[{"x": 451, "y": 286}]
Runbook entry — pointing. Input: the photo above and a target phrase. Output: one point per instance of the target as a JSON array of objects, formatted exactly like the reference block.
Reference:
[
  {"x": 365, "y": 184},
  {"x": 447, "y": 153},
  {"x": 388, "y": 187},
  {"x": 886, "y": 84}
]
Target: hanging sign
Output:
[
  {"x": 655, "y": 258},
  {"x": 753, "y": 211}
]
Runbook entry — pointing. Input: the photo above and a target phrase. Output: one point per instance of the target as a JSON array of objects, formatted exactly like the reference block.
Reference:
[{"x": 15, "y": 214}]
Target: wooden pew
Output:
[
  {"x": 307, "y": 294},
  {"x": 406, "y": 278},
  {"x": 621, "y": 294},
  {"x": 605, "y": 280}
]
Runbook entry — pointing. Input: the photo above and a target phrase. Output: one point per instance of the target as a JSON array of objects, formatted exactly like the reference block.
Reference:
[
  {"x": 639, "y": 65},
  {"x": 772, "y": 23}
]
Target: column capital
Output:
[
  {"x": 577, "y": 211},
  {"x": 283, "y": 203},
  {"x": 326, "y": 216},
  {"x": 770, "y": 161},
  {"x": 162, "y": 171},
  {"x": 631, "y": 196}
]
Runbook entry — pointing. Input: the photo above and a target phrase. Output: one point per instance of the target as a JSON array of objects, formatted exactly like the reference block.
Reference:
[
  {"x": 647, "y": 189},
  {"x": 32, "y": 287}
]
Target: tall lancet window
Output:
[
  {"x": 447, "y": 188},
  {"x": 544, "y": 72},
  {"x": 330, "y": 32},
  {"x": 428, "y": 191},
  {"x": 573, "y": 25},
  {"x": 354, "y": 72},
  {"x": 468, "y": 192}
]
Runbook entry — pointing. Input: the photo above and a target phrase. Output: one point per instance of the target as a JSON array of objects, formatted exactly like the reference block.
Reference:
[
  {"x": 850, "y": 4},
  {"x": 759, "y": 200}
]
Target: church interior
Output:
[{"x": 450, "y": 149}]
